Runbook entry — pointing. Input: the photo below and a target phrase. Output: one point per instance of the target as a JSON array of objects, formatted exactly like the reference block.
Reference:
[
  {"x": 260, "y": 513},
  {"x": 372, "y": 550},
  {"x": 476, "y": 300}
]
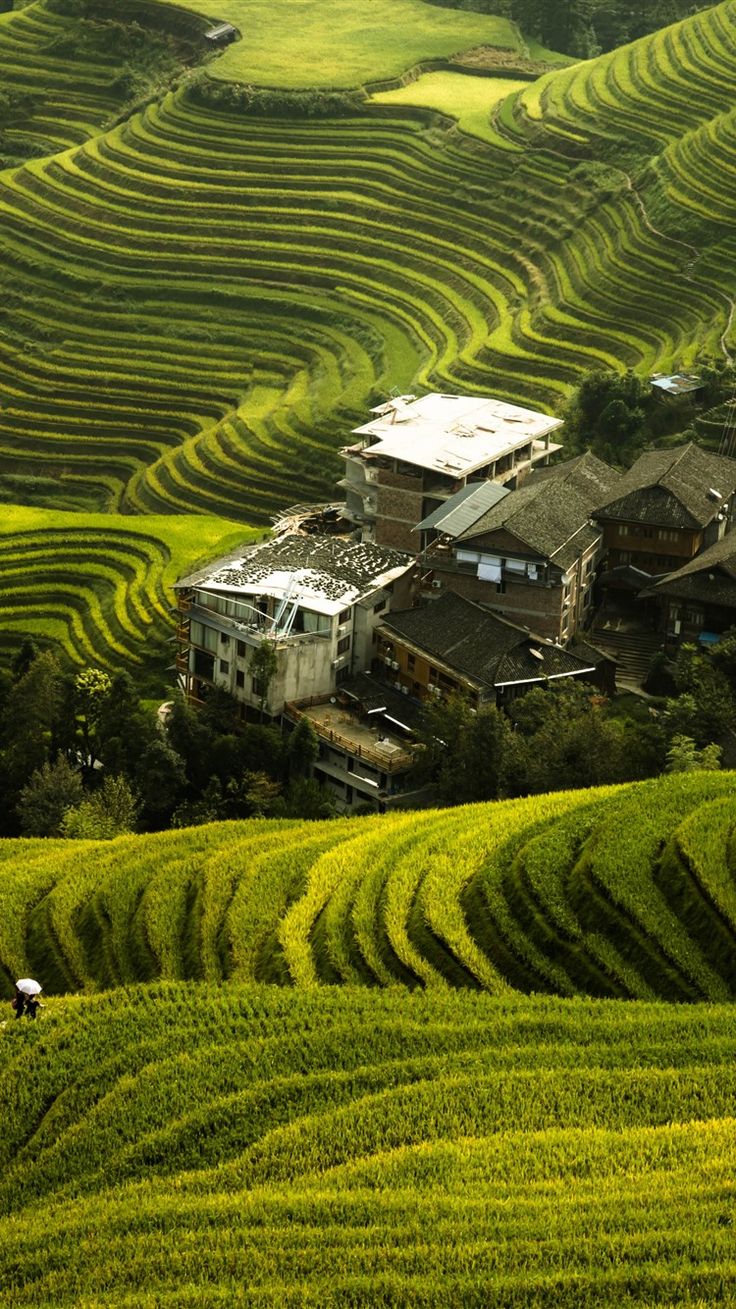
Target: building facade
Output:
[
  {"x": 453, "y": 646},
  {"x": 668, "y": 507},
  {"x": 417, "y": 453},
  {"x": 697, "y": 603},
  {"x": 531, "y": 556},
  {"x": 313, "y": 602}
]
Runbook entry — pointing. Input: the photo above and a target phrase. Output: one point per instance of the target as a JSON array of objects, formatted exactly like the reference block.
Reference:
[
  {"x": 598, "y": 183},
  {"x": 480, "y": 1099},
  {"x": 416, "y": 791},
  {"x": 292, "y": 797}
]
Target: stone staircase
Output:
[{"x": 632, "y": 650}]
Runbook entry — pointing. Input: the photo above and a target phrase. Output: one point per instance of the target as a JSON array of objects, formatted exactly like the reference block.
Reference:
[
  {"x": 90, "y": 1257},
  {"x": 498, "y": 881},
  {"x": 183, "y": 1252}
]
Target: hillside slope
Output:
[
  {"x": 623, "y": 892},
  {"x": 204, "y": 299},
  {"x": 186, "y": 1145},
  {"x": 98, "y": 588}
]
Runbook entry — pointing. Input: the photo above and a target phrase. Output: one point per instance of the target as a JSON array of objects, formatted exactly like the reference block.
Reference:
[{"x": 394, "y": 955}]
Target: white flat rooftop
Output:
[{"x": 452, "y": 434}]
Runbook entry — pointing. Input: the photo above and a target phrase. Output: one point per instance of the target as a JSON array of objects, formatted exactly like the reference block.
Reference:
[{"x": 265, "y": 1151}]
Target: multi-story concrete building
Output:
[
  {"x": 315, "y": 601},
  {"x": 529, "y": 554},
  {"x": 416, "y": 453}
]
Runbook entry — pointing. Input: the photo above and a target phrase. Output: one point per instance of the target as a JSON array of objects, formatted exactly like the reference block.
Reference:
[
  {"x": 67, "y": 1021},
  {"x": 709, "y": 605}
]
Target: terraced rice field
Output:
[
  {"x": 181, "y": 1145},
  {"x": 333, "y": 43},
  {"x": 405, "y": 1138},
  {"x": 202, "y": 303},
  {"x": 68, "y": 80},
  {"x": 99, "y": 588},
  {"x": 619, "y": 893}
]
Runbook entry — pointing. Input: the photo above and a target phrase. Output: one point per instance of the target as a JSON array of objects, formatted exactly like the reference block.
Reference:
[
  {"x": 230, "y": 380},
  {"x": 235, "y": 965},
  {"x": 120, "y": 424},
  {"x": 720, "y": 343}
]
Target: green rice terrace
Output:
[
  {"x": 211, "y": 266},
  {"x": 100, "y": 586},
  {"x": 402, "y": 1117}
]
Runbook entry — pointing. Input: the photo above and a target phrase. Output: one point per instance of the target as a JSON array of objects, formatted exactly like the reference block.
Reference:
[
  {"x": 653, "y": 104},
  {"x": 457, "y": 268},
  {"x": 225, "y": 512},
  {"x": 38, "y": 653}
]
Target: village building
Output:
[
  {"x": 365, "y": 734},
  {"x": 530, "y": 554},
  {"x": 418, "y": 452},
  {"x": 221, "y": 34},
  {"x": 314, "y": 600},
  {"x": 697, "y": 602},
  {"x": 452, "y": 645},
  {"x": 668, "y": 507}
]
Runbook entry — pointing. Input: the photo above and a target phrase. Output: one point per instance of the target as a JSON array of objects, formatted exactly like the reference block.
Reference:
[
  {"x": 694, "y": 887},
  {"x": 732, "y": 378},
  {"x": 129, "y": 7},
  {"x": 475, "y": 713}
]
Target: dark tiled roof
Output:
[
  {"x": 374, "y": 695},
  {"x": 551, "y": 507},
  {"x": 669, "y": 488},
  {"x": 332, "y": 565},
  {"x": 709, "y": 578},
  {"x": 479, "y": 645}
]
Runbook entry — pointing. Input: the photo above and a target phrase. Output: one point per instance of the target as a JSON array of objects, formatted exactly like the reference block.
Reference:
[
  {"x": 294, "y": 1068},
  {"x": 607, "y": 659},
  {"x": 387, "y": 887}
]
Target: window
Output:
[
  {"x": 240, "y": 679},
  {"x": 410, "y": 662},
  {"x": 224, "y": 666},
  {"x": 224, "y": 640},
  {"x": 377, "y": 609},
  {"x": 241, "y": 649},
  {"x": 623, "y": 529},
  {"x": 343, "y": 645},
  {"x": 344, "y": 617}
]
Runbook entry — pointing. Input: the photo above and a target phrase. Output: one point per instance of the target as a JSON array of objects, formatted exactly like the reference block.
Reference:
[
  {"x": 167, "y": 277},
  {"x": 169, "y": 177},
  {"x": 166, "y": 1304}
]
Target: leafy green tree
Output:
[
  {"x": 563, "y": 740},
  {"x": 50, "y": 792},
  {"x": 263, "y": 667},
  {"x": 92, "y": 688},
  {"x": 609, "y": 413},
  {"x": 111, "y": 811},
  {"x": 463, "y": 751},
  {"x": 683, "y": 756},
  {"x": 302, "y": 749},
  {"x": 31, "y": 720},
  {"x": 209, "y": 807},
  {"x": 24, "y": 658},
  {"x": 305, "y": 798},
  {"x": 161, "y": 781}
]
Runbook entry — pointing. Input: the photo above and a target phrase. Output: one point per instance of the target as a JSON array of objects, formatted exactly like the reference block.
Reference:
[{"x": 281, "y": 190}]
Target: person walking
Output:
[{"x": 26, "y": 998}]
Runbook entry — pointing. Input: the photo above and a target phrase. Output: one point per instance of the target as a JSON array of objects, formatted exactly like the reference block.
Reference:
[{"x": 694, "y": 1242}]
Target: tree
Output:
[
  {"x": 24, "y": 658},
  {"x": 609, "y": 414},
  {"x": 31, "y": 720},
  {"x": 91, "y": 690},
  {"x": 302, "y": 749},
  {"x": 563, "y": 740},
  {"x": 263, "y": 667},
  {"x": 261, "y": 794},
  {"x": 52, "y": 789},
  {"x": 463, "y": 750},
  {"x": 161, "y": 781},
  {"x": 683, "y": 756},
  {"x": 111, "y": 811}
]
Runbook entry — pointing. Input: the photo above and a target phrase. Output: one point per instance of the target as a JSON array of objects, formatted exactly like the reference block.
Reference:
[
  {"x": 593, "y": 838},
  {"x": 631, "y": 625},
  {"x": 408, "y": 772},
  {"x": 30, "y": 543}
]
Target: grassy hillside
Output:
[
  {"x": 184, "y": 1145},
  {"x": 204, "y": 299},
  {"x": 621, "y": 893},
  {"x": 99, "y": 588},
  {"x": 334, "y": 43}
]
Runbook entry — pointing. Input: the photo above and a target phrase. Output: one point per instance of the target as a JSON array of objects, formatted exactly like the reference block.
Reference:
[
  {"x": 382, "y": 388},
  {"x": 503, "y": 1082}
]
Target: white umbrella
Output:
[{"x": 28, "y": 986}]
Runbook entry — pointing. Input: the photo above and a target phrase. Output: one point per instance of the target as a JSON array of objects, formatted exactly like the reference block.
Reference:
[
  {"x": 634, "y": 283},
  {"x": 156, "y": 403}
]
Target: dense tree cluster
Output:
[
  {"x": 617, "y": 415},
  {"x": 584, "y": 28},
  {"x": 81, "y": 756},
  {"x": 568, "y": 736}
]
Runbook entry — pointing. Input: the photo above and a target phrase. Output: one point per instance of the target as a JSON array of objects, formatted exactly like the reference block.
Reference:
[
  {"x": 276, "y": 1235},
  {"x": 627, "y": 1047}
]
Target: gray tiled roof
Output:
[
  {"x": 334, "y": 565},
  {"x": 551, "y": 507},
  {"x": 709, "y": 578},
  {"x": 669, "y": 488},
  {"x": 479, "y": 645}
]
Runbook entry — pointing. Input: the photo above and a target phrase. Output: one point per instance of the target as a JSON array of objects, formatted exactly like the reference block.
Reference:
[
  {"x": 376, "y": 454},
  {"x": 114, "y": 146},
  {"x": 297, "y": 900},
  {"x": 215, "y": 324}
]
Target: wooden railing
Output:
[{"x": 386, "y": 763}]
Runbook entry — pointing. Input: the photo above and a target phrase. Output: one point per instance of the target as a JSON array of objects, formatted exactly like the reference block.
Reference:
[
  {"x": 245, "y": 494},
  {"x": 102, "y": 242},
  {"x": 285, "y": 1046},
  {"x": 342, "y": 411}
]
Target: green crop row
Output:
[
  {"x": 248, "y": 1145},
  {"x": 611, "y": 893},
  {"x": 99, "y": 588},
  {"x": 338, "y": 263}
]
